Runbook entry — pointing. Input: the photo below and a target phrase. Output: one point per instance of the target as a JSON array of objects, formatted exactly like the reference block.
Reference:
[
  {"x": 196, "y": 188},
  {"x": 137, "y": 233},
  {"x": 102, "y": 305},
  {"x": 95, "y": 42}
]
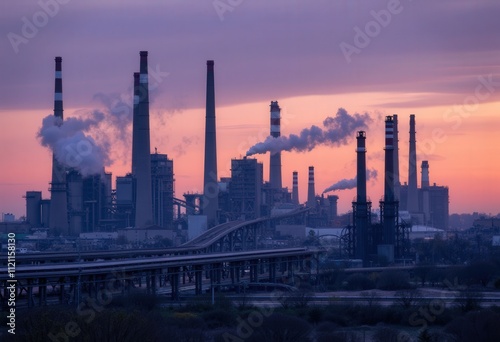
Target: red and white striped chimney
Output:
[
  {"x": 425, "y": 174},
  {"x": 275, "y": 159},
  {"x": 311, "y": 193},
  {"x": 295, "y": 188},
  {"x": 58, "y": 219}
]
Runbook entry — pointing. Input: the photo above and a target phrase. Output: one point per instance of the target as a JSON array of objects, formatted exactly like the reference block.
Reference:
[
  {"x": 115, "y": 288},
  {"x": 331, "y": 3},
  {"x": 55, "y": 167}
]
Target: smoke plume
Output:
[
  {"x": 336, "y": 131},
  {"x": 345, "y": 184},
  {"x": 71, "y": 146}
]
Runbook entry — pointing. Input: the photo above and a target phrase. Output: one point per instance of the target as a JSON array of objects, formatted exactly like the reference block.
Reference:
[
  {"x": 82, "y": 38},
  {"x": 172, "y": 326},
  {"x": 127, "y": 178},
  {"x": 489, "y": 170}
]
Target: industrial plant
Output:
[{"x": 143, "y": 204}]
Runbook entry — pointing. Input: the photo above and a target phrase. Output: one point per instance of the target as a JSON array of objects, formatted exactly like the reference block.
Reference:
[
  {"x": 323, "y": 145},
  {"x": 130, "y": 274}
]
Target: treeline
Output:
[{"x": 292, "y": 318}]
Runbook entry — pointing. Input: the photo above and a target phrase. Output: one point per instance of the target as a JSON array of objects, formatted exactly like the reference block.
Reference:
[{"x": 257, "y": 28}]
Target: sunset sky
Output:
[{"x": 439, "y": 60}]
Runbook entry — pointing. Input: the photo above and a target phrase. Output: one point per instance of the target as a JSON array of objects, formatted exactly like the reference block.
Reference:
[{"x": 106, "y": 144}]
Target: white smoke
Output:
[
  {"x": 71, "y": 146},
  {"x": 336, "y": 131},
  {"x": 345, "y": 184}
]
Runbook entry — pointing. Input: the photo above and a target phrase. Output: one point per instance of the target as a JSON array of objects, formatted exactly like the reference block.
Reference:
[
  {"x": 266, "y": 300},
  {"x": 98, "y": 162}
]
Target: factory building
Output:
[
  {"x": 245, "y": 188},
  {"x": 89, "y": 202},
  {"x": 162, "y": 182},
  {"x": 125, "y": 201},
  {"x": 429, "y": 204}
]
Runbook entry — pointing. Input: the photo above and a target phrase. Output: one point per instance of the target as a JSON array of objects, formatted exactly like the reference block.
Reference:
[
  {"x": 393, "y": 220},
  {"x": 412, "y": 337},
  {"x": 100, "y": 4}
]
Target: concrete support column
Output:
[
  {"x": 198, "y": 275},
  {"x": 31, "y": 302},
  {"x": 42, "y": 291},
  {"x": 174, "y": 282}
]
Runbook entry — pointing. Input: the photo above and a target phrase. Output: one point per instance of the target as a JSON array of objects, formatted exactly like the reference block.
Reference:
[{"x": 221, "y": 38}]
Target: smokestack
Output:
[
  {"x": 311, "y": 193},
  {"x": 361, "y": 207},
  {"x": 295, "y": 188},
  {"x": 275, "y": 158},
  {"x": 412, "y": 169},
  {"x": 332, "y": 200},
  {"x": 425, "y": 174},
  {"x": 388, "y": 205},
  {"x": 210, "y": 187},
  {"x": 397, "y": 182},
  {"x": 361, "y": 167},
  {"x": 141, "y": 159},
  {"x": 58, "y": 196}
]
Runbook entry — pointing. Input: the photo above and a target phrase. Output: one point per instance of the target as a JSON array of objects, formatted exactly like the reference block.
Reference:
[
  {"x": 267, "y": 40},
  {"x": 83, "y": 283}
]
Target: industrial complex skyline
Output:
[{"x": 448, "y": 78}]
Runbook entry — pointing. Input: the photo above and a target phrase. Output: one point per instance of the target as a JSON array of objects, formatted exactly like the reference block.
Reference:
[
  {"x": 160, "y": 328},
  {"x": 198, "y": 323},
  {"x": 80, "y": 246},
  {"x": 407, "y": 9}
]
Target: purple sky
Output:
[
  {"x": 428, "y": 54},
  {"x": 283, "y": 48}
]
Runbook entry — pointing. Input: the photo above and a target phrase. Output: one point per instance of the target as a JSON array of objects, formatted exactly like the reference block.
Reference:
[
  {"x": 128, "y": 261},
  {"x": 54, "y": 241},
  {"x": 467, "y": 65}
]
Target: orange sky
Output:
[{"x": 463, "y": 151}]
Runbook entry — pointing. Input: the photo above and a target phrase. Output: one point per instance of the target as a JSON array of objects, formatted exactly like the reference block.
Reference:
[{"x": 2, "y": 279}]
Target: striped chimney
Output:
[
  {"x": 389, "y": 208},
  {"x": 275, "y": 159},
  {"x": 361, "y": 206},
  {"x": 397, "y": 182},
  {"x": 425, "y": 174},
  {"x": 389, "y": 160},
  {"x": 311, "y": 193},
  {"x": 58, "y": 217},
  {"x": 295, "y": 188}
]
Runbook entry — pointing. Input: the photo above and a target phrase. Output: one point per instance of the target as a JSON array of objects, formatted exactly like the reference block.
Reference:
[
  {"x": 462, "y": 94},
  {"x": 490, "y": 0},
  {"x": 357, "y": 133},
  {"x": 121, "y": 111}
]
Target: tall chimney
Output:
[
  {"x": 388, "y": 205},
  {"x": 275, "y": 158},
  {"x": 412, "y": 170},
  {"x": 397, "y": 182},
  {"x": 210, "y": 187},
  {"x": 311, "y": 193},
  {"x": 141, "y": 159},
  {"x": 361, "y": 207},
  {"x": 361, "y": 167},
  {"x": 425, "y": 174},
  {"x": 295, "y": 188},
  {"x": 58, "y": 194}
]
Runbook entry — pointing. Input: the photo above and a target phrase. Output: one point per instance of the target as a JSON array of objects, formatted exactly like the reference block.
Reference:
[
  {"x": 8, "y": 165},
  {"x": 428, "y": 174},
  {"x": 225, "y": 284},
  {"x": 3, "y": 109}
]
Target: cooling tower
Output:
[
  {"x": 210, "y": 202},
  {"x": 58, "y": 195},
  {"x": 311, "y": 193},
  {"x": 412, "y": 205},
  {"x": 141, "y": 159},
  {"x": 295, "y": 188},
  {"x": 275, "y": 158}
]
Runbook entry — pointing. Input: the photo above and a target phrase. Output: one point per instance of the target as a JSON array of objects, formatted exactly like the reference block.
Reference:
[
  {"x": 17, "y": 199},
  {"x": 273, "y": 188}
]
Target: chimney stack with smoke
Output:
[
  {"x": 141, "y": 159},
  {"x": 275, "y": 157},
  {"x": 295, "y": 188},
  {"x": 412, "y": 205},
  {"x": 210, "y": 204},
  {"x": 311, "y": 193},
  {"x": 397, "y": 182},
  {"x": 425, "y": 174},
  {"x": 58, "y": 196}
]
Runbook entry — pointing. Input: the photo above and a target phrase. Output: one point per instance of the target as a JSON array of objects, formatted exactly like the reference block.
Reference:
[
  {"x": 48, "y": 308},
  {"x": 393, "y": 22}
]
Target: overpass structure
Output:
[{"x": 228, "y": 252}]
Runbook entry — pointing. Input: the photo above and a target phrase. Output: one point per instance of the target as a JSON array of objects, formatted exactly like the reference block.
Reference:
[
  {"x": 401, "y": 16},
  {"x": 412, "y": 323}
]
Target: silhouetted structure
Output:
[
  {"x": 245, "y": 188},
  {"x": 210, "y": 202},
  {"x": 58, "y": 196},
  {"x": 162, "y": 181},
  {"x": 141, "y": 160}
]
